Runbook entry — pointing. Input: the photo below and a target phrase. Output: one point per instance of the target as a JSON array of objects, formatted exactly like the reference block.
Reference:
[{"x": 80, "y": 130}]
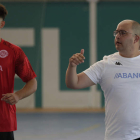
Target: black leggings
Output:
[{"x": 6, "y": 135}]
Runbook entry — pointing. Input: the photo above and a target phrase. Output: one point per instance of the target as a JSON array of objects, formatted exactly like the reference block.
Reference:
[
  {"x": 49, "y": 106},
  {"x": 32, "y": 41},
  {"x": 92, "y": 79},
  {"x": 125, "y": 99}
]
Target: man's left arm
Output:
[{"x": 29, "y": 88}]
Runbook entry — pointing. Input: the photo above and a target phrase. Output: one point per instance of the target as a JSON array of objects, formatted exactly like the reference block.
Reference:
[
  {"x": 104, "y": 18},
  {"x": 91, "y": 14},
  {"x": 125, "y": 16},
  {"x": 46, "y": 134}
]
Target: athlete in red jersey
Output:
[{"x": 12, "y": 60}]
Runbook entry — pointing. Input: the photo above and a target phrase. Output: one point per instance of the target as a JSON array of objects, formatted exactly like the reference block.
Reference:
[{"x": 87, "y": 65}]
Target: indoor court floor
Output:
[{"x": 60, "y": 126}]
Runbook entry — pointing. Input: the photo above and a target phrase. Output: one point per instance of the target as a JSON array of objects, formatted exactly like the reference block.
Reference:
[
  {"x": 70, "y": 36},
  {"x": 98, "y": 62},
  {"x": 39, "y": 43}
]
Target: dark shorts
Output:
[
  {"x": 137, "y": 139},
  {"x": 7, "y": 135}
]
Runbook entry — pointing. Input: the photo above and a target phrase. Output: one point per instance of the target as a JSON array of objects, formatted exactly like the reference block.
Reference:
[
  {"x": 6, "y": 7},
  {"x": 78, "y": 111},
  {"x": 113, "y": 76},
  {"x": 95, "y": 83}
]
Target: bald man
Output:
[{"x": 119, "y": 77}]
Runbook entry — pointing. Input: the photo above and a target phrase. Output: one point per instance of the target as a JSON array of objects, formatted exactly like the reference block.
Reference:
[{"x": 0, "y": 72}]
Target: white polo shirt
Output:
[{"x": 119, "y": 78}]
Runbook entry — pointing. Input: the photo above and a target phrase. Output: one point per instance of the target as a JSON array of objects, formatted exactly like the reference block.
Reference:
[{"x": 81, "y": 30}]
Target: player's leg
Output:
[{"x": 7, "y": 135}]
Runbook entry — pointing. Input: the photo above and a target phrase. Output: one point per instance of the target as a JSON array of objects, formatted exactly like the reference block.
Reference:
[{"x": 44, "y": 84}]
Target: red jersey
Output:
[{"x": 12, "y": 60}]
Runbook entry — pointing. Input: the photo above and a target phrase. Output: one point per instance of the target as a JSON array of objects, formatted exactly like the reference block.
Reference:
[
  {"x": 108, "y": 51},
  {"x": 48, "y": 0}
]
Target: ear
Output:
[
  {"x": 137, "y": 38},
  {"x": 2, "y": 24}
]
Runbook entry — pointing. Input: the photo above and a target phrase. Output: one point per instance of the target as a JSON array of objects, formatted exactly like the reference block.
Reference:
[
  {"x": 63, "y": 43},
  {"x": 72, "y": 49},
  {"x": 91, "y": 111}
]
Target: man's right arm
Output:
[{"x": 74, "y": 80}]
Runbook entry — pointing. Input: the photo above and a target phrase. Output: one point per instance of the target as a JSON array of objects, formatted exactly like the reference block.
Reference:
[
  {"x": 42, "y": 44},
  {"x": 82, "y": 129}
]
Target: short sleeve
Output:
[
  {"x": 94, "y": 72},
  {"x": 23, "y": 67}
]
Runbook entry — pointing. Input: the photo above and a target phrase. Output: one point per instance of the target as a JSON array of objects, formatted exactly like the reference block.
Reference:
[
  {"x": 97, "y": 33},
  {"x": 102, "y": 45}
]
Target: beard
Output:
[
  {"x": 124, "y": 46},
  {"x": 119, "y": 47}
]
